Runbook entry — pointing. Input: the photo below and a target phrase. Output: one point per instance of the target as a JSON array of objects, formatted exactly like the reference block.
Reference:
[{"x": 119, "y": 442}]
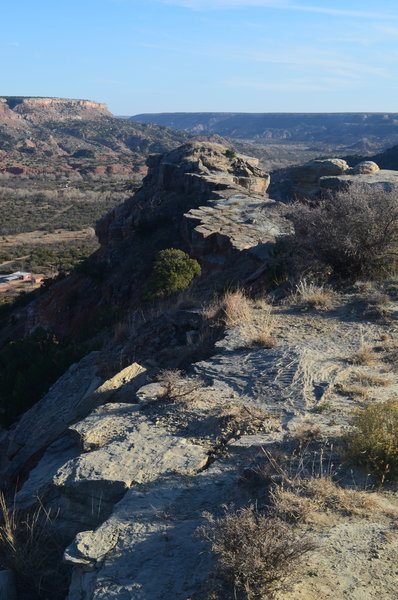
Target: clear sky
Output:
[{"x": 204, "y": 55}]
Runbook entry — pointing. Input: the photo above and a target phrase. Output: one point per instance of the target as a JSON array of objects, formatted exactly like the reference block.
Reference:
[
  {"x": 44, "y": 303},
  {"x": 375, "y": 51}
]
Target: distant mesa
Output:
[
  {"x": 27, "y": 106},
  {"x": 41, "y": 136}
]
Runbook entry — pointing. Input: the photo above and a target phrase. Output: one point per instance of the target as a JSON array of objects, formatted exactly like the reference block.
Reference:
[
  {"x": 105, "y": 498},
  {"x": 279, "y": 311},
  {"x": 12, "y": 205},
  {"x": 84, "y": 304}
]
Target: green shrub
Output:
[
  {"x": 373, "y": 442},
  {"x": 230, "y": 153},
  {"x": 172, "y": 272},
  {"x": 83, "y": 153}
]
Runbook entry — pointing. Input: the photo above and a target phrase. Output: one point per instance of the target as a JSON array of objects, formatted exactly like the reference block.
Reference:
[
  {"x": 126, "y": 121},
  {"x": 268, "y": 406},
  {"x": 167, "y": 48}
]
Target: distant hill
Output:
[
  {"x": 359, "y": 131},
  {"x": 387, "y": 159},
  {"x": 67, "y": 136}
]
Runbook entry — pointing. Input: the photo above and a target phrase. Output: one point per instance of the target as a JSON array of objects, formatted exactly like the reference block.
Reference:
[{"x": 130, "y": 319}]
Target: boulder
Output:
[
  {"x": 314, "y": 169},
  {"x": 365, "y": 167}
]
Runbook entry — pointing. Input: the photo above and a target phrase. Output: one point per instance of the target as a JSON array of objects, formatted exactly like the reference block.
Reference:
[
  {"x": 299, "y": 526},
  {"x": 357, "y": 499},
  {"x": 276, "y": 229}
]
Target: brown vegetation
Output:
[
  {"x": 373, "y": 441},
  {"x": 31, "y": 549},
  {"x": 354, "y": 232},
  {"x": 256, "y": 554}
]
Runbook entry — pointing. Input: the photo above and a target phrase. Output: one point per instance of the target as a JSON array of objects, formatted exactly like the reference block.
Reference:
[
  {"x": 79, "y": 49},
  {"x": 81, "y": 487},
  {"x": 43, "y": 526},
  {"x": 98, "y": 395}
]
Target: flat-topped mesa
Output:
[{"x": 38, "y": 109}]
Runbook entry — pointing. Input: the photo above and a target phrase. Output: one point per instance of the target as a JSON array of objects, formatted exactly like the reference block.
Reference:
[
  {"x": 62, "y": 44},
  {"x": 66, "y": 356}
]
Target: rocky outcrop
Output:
[
  {"x": 223, "y": 199},
  {"x": 200, "y": 197},
  {"x": 319, "y": 176},
  {"x": 195, "y": 172},
  {"x": 306, "y": 177},
  {"x": 130, "y": 482},
  {"x": 386, "y": 179}
]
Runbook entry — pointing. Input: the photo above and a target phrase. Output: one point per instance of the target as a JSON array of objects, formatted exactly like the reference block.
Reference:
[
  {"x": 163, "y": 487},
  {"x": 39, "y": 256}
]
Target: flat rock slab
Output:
[
  {"x": 124, "y": 449},
  {"x": 80, "y": 390},
  {"x": 147, "y": 548},
  {"x": 237, "y": 221},
  {"x": 384, "y": 178},
  {"x": 133, "y": 450},
  {"x": 68, "y": 400}
]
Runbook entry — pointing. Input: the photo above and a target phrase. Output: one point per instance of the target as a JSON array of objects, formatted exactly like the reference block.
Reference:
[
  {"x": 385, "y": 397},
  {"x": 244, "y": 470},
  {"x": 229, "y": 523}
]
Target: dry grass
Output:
[
  {"x": 365, "y": 287},
  {"x": 306, "y": 433},
  {"x": 235, "y": 308},
  {"x": 359, "y": 384},
  {"x": 371, "y": 379},
  {"x": 301, "y": 499},
  {"x": 30, "y": 548},
  {"x": 256, "y": 554},
  {"x": 375, "y": 306},
  {"x": 357, "y": 391},
  {"x": 312, "y": 296},
  {"x": 303, "y": 484},
  {"x": 237, "y": 420},
  {"x": 389, "y": 347},
  {"x": 262, "y": 336},
  {"x": 231, "y": 309},
  {"x": 365, "y": 355},
  {"x": 373, "y": 440},
  {"x": 178, "y": 387}
]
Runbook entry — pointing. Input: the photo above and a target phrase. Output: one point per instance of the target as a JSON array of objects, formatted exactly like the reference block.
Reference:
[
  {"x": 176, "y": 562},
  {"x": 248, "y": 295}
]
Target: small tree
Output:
[
  {"x": 354, "y": 231},
  {"x": 172, "y": 272},
  {"x": 230, "y": 153}
]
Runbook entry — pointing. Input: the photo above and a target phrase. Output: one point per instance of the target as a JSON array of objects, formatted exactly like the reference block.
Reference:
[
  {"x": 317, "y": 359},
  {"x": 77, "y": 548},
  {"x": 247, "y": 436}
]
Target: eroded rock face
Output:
[{"x": 226, "y": 207}]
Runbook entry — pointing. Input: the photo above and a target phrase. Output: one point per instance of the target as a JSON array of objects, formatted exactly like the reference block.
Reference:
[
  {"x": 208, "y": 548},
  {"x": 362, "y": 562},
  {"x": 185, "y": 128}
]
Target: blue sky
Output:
[{"x": 204, "y": 55}]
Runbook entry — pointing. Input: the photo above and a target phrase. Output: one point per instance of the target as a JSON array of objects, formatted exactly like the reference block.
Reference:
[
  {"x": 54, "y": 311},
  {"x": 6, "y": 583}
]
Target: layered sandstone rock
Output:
[
  {"x": 227, "y": 209},
  {"x": 82, "y": 389}
]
